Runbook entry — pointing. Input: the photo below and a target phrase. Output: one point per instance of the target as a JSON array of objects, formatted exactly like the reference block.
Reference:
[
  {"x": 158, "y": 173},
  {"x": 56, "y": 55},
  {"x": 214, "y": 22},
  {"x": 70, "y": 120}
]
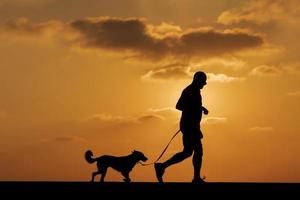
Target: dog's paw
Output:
[{"x": 127, "y": 180}]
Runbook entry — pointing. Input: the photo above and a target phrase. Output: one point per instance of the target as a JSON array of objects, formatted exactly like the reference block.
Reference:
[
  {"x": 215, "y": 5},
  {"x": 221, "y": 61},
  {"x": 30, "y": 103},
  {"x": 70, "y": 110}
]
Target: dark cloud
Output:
[
  {"x": 135, "y": 35},
  {"x": 139, "y": 38},
  {"x": 210, "y": 43},
  {"x": 118, "y": 34}
]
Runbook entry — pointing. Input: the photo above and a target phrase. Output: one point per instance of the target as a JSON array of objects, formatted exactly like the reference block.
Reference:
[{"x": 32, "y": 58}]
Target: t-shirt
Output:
[{"x": 190, "y": 103}]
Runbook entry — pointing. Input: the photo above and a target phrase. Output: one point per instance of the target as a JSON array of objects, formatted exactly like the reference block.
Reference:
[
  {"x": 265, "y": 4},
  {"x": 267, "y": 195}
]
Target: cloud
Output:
[
  {"x": 214, "y": 120},
  {"x": 261, "y": 129},
  {"x": 181, "y": 72},
  {"x": 108, "y": 118},
  {"x": 163, "y": 110},
  {"x": 292, "y": 68},
  {"x": 98, "y": 122},
  {"x": 135, "y": 35},
  {"x": 149, "y": 117},
  {"x": 113, "y": 119},
  {"x": 222, "y": 78},
  {"x": 213, "y": 42},
  {"x": 231, "y": 63},
  {"x": 294, "y": 94},
  {"x": 23, "y": 25},
  {"x": 117, "y": 34},
  {"x": 169, "y": 72},
  {"x": 266, "y": 70},
  {"x": 261, "y": 12},
  {"x": 49, "y": 141},
  {"x": 167, "y": 113},
  {"x": 164, "y": 30}
]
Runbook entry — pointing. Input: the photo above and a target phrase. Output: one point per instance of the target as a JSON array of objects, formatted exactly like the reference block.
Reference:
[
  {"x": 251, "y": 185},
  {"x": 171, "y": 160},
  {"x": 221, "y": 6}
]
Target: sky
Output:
[{"x": 106, "y": 76}]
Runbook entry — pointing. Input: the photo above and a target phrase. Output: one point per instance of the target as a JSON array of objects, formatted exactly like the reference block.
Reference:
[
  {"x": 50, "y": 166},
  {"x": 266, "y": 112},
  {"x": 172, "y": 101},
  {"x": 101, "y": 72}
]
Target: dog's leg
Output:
[
  {"x": 103, "y": 172},
  {"x": 93, "y": 175},
  {"x": 126, "y": 177}
]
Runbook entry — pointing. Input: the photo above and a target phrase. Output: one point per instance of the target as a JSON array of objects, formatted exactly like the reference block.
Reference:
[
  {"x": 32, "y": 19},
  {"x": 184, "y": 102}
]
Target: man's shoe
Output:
[
  {"x": 159, "y": 170},
  {"x": 198, "y": 181}
]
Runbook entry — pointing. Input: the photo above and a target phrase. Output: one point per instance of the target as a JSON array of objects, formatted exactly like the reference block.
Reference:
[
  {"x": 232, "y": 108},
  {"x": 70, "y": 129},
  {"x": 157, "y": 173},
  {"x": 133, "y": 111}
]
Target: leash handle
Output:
[{"x": 162, "y": 151}]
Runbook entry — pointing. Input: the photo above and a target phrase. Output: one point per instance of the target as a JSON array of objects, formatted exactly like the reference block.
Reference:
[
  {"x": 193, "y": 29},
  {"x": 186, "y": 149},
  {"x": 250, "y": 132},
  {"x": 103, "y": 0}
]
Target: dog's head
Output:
[{"x": 139, "y": 156}]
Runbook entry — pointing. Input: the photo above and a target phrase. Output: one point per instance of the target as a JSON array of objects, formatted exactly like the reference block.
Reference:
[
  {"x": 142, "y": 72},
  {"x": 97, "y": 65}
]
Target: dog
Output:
[{"x": 123, "y": 164}]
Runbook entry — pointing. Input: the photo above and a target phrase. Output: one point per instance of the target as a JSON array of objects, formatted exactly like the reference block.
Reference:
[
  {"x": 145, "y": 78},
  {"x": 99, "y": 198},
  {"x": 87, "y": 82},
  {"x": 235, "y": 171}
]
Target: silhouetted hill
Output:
[{"x": 91, "y": 190}]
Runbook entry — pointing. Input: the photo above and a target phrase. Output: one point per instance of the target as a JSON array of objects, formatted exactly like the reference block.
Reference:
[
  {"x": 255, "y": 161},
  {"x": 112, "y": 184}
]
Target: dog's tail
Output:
[{"x": 89, "y": 157}]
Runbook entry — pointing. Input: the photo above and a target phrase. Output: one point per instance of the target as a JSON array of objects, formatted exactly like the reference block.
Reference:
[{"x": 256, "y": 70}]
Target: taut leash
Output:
[{"x": 162, "y": 151}]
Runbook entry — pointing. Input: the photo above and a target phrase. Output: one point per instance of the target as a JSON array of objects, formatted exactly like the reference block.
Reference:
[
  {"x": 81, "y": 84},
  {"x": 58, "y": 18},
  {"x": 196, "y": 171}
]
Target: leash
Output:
[{"x": 162, "y": 151}]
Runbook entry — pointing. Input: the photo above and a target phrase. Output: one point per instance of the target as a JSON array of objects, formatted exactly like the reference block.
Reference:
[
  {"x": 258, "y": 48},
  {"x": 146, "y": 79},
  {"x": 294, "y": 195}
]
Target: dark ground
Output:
[{"x": 141, "y": 190}]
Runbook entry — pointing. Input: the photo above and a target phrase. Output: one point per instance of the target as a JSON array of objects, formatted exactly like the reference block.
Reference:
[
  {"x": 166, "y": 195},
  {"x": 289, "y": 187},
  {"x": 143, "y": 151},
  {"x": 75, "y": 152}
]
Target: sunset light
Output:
[{"x": 105, "y": 75}]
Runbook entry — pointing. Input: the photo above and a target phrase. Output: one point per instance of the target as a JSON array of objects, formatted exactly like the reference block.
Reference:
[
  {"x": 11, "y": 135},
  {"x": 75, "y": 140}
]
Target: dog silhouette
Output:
[{"x": 123, "y": 164}]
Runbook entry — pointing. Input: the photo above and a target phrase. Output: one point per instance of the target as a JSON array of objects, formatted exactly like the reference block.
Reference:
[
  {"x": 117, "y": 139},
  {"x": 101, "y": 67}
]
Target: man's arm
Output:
[
  {"x": 205, "y": 111},
  {"x": 179, "y": 105},
  {"x": 182, "y": 101}
]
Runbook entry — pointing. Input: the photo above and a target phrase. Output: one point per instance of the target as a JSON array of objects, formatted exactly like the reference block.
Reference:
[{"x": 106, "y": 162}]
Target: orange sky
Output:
[{"x": 106, "y": 75}]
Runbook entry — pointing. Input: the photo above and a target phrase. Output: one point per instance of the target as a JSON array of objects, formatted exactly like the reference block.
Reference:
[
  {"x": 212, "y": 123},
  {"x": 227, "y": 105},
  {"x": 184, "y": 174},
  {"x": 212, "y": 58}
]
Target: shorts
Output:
[{"x": 192, "y": 142}]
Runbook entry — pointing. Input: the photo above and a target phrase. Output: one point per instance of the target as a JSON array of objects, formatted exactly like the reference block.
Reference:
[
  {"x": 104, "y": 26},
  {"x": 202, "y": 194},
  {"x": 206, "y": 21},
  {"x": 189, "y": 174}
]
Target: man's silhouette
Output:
[{"x": 190, "y": 103}]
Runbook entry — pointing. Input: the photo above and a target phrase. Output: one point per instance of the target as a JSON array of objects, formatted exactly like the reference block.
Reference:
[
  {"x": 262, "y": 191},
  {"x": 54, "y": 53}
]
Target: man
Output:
[{"x": 190, "y": 103}]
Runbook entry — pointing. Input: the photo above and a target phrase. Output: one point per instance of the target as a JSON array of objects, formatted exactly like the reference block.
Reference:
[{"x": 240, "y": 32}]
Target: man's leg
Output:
[
  {"x": 178, "y": 157},
  {"x": 197, "y": 161}
]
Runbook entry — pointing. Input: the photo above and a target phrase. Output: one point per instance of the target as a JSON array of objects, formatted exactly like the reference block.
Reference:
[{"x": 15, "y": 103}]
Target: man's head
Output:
[{"x": 199, "y": 79}]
